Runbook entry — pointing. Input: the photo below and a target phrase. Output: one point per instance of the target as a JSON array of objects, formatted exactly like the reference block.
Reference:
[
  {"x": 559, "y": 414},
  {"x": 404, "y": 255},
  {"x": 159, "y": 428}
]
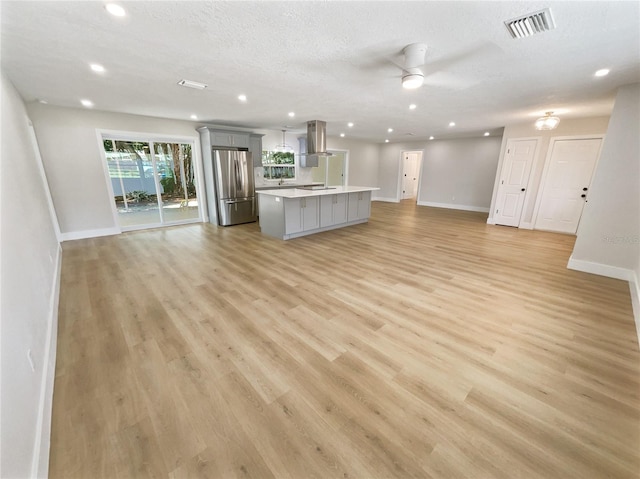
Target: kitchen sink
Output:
[{"x": 314, "y": 188}]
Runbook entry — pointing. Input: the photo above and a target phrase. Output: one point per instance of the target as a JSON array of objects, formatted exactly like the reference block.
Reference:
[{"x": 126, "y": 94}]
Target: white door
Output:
[
  {"x": 410, "y": 170},
  {"x": 566, "y": 185},
  {"x": 513, "y": 181}
]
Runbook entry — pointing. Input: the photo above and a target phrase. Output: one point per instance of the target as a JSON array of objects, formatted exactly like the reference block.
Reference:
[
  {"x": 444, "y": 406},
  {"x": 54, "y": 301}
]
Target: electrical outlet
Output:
[{"x": 30, "y": 358}]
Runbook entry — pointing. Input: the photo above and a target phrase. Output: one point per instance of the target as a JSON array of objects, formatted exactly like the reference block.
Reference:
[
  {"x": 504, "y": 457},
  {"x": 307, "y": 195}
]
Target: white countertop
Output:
[{"x": 298, "y": 193}]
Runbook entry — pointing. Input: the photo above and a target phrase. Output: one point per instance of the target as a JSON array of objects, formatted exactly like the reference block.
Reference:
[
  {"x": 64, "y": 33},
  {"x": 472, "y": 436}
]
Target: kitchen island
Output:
[{"x": 290, "y": 213}]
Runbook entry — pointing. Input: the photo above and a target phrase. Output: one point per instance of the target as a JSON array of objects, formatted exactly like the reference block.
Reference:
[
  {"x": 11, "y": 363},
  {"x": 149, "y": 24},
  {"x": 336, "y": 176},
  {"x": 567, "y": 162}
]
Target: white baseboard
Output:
[
  {"x": 634, "y": 289},
  {"x": 388, "y": 200},
  {"x": 526, "y": 226},
  {"x": 451, "y": 206},
  {"x": 40, "y": 462},
  {"x": 74, "y": 235},
  {"x": 490, "y": 221},
  {"x": 617, "y": 273},
  {"x": 600, "y": 269}
]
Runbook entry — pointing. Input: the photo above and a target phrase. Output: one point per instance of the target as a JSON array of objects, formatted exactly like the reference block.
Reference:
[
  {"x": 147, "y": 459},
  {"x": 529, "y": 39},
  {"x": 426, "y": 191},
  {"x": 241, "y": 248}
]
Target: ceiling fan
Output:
[
  {"x": 416, "y": 72},
  {"x": 412, "y": 75}
]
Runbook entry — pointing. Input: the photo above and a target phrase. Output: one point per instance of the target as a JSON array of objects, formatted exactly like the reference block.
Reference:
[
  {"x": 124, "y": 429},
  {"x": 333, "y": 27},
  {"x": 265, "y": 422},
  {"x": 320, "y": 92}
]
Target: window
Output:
[
  {"x": 153, "y": 183},
  {"x": 278, "y": 165}
]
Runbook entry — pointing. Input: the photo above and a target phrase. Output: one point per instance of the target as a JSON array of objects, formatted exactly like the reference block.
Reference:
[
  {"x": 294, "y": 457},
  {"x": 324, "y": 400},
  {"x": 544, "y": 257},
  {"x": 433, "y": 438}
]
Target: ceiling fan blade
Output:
[
  {"x": 449, "y": 61},
  {"x": 449, "y": 81}
]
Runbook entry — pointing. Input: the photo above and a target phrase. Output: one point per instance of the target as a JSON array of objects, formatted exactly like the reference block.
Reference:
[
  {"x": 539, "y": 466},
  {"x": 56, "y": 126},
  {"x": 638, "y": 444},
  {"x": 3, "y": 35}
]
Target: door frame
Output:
[
  {"x": 345, "y": 171},
  {"x": 547, "y": 167},
  {"x": 152, "y": 138},
  {"x": 401, "y": 169}
]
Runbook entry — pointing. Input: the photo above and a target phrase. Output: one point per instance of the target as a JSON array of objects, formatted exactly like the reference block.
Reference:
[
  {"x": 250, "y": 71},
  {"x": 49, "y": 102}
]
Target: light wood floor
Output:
[{"x": 424, "y": 344}]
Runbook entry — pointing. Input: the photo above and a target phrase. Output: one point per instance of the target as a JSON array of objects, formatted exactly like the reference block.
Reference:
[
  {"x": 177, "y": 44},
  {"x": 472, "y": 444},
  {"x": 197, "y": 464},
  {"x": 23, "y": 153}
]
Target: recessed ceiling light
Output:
[
  {"x": 390, "y": 130},
  {"x": 341, "y": 135},
  {"x": 412, "y": 106},
  {"x": 291, "y": 114},
  {"x": 87, "y": 103},
  {"x": 194, "y": 117},
  {"x": 97, "y": 68},
  {"x": 115, "y": 10},
  {"x": 350, "y": 124},
  {"x": 192, "y": 84},
  {"x": 431, "y": 137},
  {"x": 386, "y": 141},
  {"x": 602, "y": 73},
  {"x": 242, "y": 97},
  {"x": 453, "y": 123},
  {"x": 40, "y": 100},
  {"x": 486, "y": 133}
]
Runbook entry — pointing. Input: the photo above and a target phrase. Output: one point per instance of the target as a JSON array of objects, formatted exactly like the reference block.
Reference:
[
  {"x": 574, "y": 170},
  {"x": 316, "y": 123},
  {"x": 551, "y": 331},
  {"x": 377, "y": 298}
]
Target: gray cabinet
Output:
[
  {"x": 229, "y": 138},
  {"x": 333, "y": 210},
  {"x": 359, "y": 205},
  {"x": 255, "y": 147},
  {"x": 301, "y": 214}
]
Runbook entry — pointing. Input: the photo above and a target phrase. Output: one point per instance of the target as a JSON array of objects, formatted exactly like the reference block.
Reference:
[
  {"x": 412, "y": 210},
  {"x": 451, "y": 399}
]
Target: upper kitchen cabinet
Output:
[
  {"x": 229, "y": 138},
  {"x": 255, "y": 147}
]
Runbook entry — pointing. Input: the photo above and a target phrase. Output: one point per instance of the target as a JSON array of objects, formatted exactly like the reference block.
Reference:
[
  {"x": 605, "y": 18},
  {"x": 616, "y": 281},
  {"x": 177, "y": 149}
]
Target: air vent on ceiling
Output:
[{"x": 531, "y": 24}]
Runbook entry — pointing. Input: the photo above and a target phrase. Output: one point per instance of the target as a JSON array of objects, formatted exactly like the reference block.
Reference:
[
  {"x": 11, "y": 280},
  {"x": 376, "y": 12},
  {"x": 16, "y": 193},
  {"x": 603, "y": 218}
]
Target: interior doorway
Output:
[
  {"x": 332, "y": 170},
  {"x": 411, "y": 163},
  {"x": 567, "y": 178}
]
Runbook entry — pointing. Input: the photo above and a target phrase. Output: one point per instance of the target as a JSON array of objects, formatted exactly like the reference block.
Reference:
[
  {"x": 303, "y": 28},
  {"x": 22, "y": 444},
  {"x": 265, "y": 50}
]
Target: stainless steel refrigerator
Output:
[{"x": 234, "y": 185}]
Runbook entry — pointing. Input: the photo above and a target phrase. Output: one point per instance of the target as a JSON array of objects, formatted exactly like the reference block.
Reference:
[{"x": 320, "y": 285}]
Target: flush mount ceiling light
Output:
[
  {"x": 547, "y": 122},
  {"x": 390, "y": 130},
  {"x": 242, "y": 98},
  {"x": 115, "y": 10},
  {"x": 350, "y": 124},
  {"x": 192, "y": 84},
  {"x": 453, "y": 123},
  {"x": 194, "y": 117},
  {"x": 386, "y": 141},
  {"x": 431, "y": 137},
  {"x": 87, "y": 103},
  {"x": 602, "y": 73},
  {"x": 412, "y": 106},
  {"x": 291, "y": 114},
  {"x": 341, "y": 135},
  {"x": 486, "y": 133}
]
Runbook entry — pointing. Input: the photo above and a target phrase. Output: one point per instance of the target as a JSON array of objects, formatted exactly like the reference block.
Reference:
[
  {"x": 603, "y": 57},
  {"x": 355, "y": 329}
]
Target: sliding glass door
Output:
[{"x": 153, "y": 183}]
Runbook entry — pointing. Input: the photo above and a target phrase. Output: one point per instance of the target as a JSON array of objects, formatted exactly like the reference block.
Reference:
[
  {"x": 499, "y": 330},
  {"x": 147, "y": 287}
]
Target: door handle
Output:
[{"x": 522, "y": 189}]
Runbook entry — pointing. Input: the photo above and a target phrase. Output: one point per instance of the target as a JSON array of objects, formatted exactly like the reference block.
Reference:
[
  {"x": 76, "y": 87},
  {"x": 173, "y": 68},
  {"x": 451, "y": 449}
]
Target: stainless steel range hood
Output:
[{"x": 316, "y": 144}]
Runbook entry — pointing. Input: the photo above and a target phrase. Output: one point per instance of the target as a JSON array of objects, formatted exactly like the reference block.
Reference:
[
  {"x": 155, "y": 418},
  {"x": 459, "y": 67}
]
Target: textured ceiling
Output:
[{"x": 330, "y": 61}]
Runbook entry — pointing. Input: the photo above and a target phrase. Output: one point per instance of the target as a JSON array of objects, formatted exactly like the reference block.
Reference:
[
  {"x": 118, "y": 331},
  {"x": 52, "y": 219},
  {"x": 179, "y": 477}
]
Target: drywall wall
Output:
[
  {"x": 29, "y": 266},
  {"x": 363, "y": 160},
  {"x": 71, "y": 155},
  {"x": 608, "y": 238},
  {"x": 456, "y": 173},
  {"x": 459, "y": 173},
  {"x": 567, "y": 127}
]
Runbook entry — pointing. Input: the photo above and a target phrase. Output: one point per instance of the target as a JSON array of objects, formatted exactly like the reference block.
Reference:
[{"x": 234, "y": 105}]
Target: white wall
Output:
[
  {"x": 71, "y": 155},
  {"x": 29, "y": 266},
  {"x": 608, "y": 238},
  {"x": 363, "y": 160},
  {"x": 463, "y": 169},
  {"x": 569, "y": 127},
  {"x": 459, "y": 173}
]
